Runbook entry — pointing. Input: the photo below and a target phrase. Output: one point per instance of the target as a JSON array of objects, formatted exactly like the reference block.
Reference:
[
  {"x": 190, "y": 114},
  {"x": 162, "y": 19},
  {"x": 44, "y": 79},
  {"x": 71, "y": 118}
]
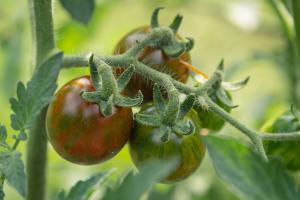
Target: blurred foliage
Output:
[{"x": 236, "y": 30}]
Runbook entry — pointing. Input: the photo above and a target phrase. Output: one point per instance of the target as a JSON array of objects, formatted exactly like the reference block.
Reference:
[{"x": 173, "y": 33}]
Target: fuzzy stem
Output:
[
  {"x": 235, "y": 123},
  {"x": 43, "y": 39}
]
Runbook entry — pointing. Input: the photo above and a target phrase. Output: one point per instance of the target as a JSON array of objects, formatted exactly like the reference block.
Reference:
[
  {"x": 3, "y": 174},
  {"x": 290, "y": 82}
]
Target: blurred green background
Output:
[{"x": 245, "y": 33}]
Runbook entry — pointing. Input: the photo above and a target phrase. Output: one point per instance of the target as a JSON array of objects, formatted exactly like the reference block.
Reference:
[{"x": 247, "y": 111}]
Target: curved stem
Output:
[
  {"x": 43, "y": 39},
  {"x": 252, "y": 134},
  {"x": 284, "y": 17}
]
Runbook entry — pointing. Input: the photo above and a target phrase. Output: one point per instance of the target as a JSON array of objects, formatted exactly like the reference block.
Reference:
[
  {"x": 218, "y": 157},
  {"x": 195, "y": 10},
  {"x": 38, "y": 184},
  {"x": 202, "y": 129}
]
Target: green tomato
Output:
[
  {"x": 287, "y": 151},
  {"x": 145, "y": 145}
]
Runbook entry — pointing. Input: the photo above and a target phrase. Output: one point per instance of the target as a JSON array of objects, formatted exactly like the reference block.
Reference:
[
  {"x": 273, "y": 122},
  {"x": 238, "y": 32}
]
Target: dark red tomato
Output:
[
  {"x": 154, "y": 58},
  {"x": 145, "y": 145},
  {"x": 79, "y": 132}
]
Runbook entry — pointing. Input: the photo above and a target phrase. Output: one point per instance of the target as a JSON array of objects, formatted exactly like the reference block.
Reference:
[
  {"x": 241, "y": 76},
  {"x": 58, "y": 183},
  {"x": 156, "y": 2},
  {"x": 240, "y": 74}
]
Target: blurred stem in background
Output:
[
  {"x": 43, "y": 39},
  {"x": 289, "y": 15}
]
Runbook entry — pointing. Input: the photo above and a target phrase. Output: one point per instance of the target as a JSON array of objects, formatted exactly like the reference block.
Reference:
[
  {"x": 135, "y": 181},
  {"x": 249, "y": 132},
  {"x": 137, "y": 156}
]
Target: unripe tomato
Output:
[
  {"x": 154, "y": 58},
  {"x": 287, "y": 151},
  {"x": 209, "y": 119},
  {"x": 145, "y": 145},
  {"x": 79, "y": 132}
]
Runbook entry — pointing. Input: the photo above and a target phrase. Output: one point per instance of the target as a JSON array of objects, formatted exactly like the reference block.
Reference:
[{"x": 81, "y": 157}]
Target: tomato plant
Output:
[
  {"x": 209, "y": 119},
  {"x": 153, "y": 57},
  {"x": 79, "y": 132},
  {"x": 145, "y": 144},
  {"x": 287, "y": 151}
]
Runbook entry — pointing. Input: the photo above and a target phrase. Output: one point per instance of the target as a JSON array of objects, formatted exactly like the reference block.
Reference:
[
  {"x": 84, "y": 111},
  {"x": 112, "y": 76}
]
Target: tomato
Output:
[
  {"x": 145, "y": 144},
  {"x": 209, "y": 119},
  {"x": 154, "y": 58},
  {"x": 287, "y": 151},
  {"x": 79, "y": 132}
]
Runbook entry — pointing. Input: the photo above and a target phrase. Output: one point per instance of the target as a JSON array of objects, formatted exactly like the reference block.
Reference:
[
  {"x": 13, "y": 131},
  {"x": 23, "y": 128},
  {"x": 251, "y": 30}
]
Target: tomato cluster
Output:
[{"x": 81, "y": 134}]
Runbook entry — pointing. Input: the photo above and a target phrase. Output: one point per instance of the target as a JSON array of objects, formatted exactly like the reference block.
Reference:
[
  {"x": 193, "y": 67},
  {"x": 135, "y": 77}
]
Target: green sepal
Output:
[
  {"x": 129, "y": 102},
  {"x": 221, "y": 66},
  {"x": 165, "y": 133},
  {"x": 186, "y": 106},
  {"x": 176, "y": 23},
  {"x": 125, "y": 77},
  {"x": 174, "y": 49},
  {"x": 189, "y": 44},
  {"x": 106, "y": 107},
  {"x": 184, "y": 127},
  {"x": 93, "y": 97},
  {"x": 148, "y": 120},
  {"x": 171, "y": 112},
  {"x": 223, "y": 97},
  {"x": 234, "y": 86},
  {"x": 95, "y": 76},
  {"x": 154, "y": 18},
  {"x": 158, "y": 99}
]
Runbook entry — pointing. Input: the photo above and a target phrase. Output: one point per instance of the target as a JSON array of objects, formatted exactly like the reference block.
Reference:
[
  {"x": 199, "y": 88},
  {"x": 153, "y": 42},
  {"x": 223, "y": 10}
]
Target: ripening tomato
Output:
[
  {"x": 287, "y": 151},
  {"x": 145, "y": 144},
  {"x": 79, "y": 132},
  {"x": 154, "y": 58}
]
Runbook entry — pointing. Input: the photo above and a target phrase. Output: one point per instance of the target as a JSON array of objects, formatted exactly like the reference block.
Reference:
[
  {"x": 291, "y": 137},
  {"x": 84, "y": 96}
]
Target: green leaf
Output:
[
  {"x": 12, "y": 167},
  {"x": 80, "y": 10},
  {"x": 247, "y": 174},
  {"x": 134, "y": 185},
  {"x": 37, "y": 94},
  {"x": 2, "y": 195},
  {"x": 82, "y": 189},
  {"x": 3, "y": 134}
]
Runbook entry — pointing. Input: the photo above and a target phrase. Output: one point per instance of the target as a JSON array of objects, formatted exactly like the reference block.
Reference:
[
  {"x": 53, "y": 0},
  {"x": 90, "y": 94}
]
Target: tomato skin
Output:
[
  {"x": 287, "y": 151},
  {"x": 209, "y": 119},
  {"x": 153, "y": 57},
  {"x": 145, "y": 145},
  {"x": 79, "y": 132}
]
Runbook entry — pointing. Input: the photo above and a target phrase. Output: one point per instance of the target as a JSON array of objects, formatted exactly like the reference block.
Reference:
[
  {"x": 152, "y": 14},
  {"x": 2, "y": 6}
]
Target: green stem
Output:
[
  {"x": 252, "y": 134},
  {"x": 43, "y": 39},
  {"x": 296, "y": 50},
  {"x": 284, "y": 17}
]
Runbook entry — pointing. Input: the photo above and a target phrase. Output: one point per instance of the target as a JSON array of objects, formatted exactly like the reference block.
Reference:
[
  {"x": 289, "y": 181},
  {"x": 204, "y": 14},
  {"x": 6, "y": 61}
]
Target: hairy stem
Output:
[
  {"x": 43, "y": 39},
  {"x": 235, "y": 123}
]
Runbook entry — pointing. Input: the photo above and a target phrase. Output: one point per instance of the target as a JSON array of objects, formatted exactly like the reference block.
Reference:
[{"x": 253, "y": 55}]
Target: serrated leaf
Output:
[
  {"x": 134, "y": 185},
  {"x": 12, "y": 167},
  {"x": 81, "y": 189},
  {"x": 247, "y": 174},
  {"x": 80, "y": 10},
  {"x": 37, "y": 94},
  {"x": 3, "y": 134}
]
